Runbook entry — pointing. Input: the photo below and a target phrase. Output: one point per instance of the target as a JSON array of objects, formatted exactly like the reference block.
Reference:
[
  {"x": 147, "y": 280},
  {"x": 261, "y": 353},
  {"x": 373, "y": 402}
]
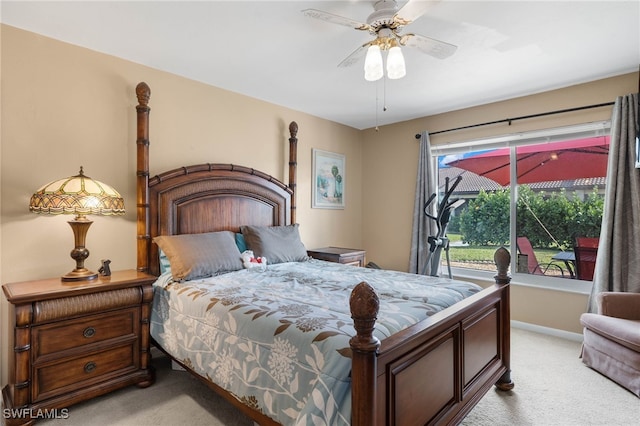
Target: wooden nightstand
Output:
[
  {"x": 345, "y": 256},
  {"x": 76, "y": 340}
]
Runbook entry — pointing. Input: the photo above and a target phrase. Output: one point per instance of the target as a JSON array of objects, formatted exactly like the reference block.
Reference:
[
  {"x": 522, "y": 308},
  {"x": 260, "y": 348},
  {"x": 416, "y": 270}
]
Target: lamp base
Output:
[
  {"x": 80, "y": 226},
  {"x": 80, "y": 275}
]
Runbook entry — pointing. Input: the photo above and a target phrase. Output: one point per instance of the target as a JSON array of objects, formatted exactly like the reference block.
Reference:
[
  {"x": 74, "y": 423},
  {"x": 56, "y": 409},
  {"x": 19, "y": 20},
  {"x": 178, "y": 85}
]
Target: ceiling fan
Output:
[{"x": 386, "y": 24}]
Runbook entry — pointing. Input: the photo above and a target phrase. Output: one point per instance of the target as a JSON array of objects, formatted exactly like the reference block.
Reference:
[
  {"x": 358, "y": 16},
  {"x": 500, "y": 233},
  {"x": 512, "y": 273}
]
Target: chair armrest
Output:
[{"x": 619, "y": 305}]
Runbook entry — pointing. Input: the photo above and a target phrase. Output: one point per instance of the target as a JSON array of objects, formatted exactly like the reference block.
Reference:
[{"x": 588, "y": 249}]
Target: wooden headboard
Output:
[{"x": 204, "y": 197}]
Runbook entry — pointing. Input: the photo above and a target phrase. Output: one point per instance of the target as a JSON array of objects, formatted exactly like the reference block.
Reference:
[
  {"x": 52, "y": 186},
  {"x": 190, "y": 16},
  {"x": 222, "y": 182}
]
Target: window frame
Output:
[{"x": 534, "y": 137}]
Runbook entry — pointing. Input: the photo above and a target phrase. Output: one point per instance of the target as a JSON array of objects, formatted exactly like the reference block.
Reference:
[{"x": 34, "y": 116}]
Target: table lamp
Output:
[{"x": 79, "y": 195}]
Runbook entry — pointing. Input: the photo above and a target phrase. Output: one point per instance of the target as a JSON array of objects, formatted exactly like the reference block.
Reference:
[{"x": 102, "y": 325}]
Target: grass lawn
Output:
[{"x": 474, "y": 254}]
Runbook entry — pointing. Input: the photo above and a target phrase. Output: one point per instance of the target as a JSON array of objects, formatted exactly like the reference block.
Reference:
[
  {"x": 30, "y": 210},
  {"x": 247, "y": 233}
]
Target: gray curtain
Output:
[
  {"x": 617, "y": 264},
  {"x": 423, "y": 227}
]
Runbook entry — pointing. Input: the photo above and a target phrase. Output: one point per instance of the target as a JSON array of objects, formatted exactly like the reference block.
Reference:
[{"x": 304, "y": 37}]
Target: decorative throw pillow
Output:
[
  {"x": 200, "y": 255},
  {"x": 277, "y": 243},
  {"x": 164, "y": 262},
  {"x": 242, "y": 245}
]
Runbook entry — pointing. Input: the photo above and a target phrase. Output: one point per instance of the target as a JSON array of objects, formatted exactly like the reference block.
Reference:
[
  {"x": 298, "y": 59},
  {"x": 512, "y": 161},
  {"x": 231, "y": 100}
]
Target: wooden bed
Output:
[{"x": 431, "y": 373}]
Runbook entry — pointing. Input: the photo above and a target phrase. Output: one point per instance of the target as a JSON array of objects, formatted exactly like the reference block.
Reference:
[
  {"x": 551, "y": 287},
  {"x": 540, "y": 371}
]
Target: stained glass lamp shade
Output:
[{"x": 79, "y": 195}]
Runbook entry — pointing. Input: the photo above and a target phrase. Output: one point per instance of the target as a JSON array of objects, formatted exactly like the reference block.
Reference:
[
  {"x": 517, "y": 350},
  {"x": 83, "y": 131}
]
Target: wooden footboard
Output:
[{"x": 438, "y": 369}]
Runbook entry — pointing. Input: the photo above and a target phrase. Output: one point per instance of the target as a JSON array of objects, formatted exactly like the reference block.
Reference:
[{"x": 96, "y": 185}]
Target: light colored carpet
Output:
[{"x": 552, "y": 387}]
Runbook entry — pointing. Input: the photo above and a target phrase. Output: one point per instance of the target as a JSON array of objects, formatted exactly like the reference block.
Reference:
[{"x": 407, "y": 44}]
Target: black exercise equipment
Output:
[{"x": 440, "y": 241}]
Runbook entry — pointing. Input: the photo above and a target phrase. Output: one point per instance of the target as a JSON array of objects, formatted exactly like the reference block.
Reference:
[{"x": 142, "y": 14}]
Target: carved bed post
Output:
[
  {"x": 293, "y": 164},
  {"x": 142, "y": 175},
  {"x": 502, "y": 259},
  {"x": 364, "y": 306}
]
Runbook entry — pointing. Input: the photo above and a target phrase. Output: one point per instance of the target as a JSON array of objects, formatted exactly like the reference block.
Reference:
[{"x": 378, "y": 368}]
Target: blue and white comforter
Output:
[{"x": 279, "y": 339}]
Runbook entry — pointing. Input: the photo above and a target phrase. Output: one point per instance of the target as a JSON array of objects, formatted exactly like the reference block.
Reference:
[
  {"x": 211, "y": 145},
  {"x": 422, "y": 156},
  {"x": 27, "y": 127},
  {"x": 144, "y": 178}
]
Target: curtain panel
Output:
[
  {"x": 617, "y": 266},
  {"x": 423, "y": 227}
]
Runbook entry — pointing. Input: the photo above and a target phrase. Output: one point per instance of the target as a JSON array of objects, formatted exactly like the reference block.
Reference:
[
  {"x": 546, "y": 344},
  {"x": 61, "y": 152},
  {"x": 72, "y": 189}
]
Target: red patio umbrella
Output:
[{"x": 580, "y": 158}]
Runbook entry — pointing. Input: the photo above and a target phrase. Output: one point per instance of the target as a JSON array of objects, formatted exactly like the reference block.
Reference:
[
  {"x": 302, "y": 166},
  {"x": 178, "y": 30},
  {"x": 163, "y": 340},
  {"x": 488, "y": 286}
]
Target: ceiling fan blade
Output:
[
  {"x": 412, "y": 10},
  {"x": 354, "y": 57},
  {"x": 430, "y": 46},
  {"x": 335, "y": 19}
]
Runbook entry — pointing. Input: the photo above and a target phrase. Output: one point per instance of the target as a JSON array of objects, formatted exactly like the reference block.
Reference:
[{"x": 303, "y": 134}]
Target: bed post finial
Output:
[
  {"x": 293, "y": 165},
  {"x": 293, "y": 129},
  {"x": 364, "y": 304},
  {"x": 143, "y": 92},
  {"x": 502, "y": 259}
]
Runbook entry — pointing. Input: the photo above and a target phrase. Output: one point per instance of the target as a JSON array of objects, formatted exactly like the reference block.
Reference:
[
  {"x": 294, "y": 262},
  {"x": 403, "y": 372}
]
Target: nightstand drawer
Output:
[
  {"x": 356, "y": 260},
  {"x": 346, "y": 256},
  {"x": 72, "y": 374},
  {"x": 57, "y": 337}
]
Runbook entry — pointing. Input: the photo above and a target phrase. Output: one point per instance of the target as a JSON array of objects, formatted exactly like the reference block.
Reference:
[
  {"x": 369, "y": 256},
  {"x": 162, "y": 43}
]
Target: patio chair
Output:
[
  {"x": 586, "y": 250},
  {"x": 524, "y": 247}
]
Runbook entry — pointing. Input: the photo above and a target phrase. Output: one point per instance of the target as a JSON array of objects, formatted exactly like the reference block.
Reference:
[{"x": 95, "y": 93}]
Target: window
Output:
[{"x": 535, "y": 193}]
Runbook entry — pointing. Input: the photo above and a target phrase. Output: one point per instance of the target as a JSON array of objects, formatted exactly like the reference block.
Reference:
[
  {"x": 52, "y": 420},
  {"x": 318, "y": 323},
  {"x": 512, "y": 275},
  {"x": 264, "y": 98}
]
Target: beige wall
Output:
[
  {"x": 390, "y": 166},
  {"x": 67, "y": 107},
  {"x": 64, "y": 107}
]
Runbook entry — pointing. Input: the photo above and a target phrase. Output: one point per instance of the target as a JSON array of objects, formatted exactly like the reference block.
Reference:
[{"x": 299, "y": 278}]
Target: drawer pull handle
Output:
[
  {"x": 90, "y": 367},
  {"x": 89, "y": 332}
]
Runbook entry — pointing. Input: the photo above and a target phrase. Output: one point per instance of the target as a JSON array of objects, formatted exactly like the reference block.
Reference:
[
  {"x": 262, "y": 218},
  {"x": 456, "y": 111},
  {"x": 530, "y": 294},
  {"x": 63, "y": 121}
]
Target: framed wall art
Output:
[{"x": 328, "y": 180}]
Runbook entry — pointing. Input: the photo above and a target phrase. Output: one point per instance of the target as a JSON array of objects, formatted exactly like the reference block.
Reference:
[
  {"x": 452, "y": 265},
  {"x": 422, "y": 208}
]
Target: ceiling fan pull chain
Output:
[
  {"x": 384, "y": 94},
  {"x": 377, "y": 104}
]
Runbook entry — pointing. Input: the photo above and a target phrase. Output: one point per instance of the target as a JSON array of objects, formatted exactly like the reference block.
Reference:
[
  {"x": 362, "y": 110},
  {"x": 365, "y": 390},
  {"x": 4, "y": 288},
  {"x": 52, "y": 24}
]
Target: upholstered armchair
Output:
[{"x": 611, "y": 343}]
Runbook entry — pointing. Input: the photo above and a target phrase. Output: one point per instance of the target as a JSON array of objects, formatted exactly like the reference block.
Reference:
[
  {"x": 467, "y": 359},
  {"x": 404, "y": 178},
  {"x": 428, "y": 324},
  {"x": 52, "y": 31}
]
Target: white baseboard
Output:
[{"x": 577, "y": 337}]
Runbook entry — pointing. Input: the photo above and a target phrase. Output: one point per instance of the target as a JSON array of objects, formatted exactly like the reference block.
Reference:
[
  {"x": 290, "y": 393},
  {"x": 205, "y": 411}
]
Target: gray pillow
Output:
[
  {"x": 200, "y": 255},
  {"x": 277, "y": 243}
]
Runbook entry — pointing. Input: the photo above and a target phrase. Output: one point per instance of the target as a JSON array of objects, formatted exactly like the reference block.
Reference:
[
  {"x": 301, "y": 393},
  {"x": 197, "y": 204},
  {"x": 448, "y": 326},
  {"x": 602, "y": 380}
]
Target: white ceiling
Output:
[{"x": 269, "y": 50}]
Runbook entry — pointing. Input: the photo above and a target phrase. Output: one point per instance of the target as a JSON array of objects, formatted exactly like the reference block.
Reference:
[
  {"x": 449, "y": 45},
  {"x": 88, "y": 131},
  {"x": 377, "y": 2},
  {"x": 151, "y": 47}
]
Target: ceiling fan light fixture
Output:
[
  {"x": 387, "y": 23},
  {"x": 395, "y": 64},
  {"x": 373, "y": 69}
]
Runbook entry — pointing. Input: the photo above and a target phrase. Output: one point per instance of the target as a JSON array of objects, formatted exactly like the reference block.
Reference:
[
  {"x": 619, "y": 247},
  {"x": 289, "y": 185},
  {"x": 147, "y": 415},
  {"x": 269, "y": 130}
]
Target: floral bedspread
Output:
[{"x": 279, "y": 339}]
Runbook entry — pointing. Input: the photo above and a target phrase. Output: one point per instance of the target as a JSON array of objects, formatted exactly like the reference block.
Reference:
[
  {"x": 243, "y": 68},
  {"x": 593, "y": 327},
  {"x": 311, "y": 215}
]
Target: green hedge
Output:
[{"x": 485, "y": 221}]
